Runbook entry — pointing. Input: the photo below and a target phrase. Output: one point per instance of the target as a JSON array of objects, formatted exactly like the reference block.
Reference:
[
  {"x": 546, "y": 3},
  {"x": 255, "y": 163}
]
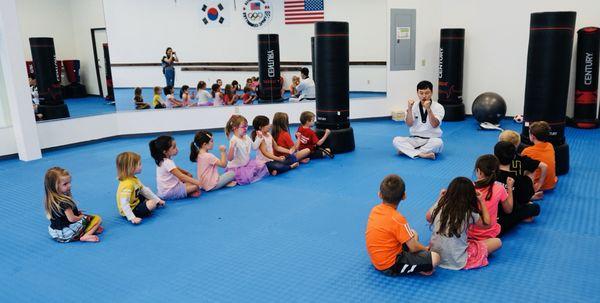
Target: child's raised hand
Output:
[
  {"x": 510, "y": 182},
  {"x": 327, "y": 131},
  {"x": 222, "y": 148},
  {"x": 136, "y": 220}
]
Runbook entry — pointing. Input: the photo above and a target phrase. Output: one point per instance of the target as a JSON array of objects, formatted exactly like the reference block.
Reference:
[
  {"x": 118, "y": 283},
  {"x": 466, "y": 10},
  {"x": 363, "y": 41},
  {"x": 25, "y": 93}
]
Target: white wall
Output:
[
  {"x": 4, "y": 110},
  {"x": 140, "y": 38},
  {"x": 69, "y": 23},
  {"x": 87, "y": 14},
  {"x": 40, "y": 18},
  {"x": 496, "y": 42},
  {"x": 402, "y": 84}
]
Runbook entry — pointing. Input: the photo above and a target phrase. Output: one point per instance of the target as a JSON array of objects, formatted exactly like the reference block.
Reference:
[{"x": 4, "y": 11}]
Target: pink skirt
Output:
[
  {"x": 250, "y": 173},
  {"x": 477, "y": 255}
]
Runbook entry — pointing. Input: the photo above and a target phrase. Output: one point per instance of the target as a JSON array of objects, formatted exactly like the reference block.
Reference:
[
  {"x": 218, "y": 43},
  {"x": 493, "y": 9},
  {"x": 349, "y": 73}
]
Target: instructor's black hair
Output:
[{"x": 425, "y": 85}]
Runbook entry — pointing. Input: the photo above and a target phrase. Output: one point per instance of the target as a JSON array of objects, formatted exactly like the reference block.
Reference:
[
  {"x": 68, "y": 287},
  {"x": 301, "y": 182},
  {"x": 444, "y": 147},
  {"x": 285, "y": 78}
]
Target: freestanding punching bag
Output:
[
  {"x": 450, "y": 73},
  {"x": 312, "y": 56},
  {"x": 547, "y": 81},
  {"x": 110, "y": 95},
  {"x": 586, "y": 77},
  {"x": 332, "y": 60},
  {"x": 269, "y": 68},
  {"x": 51, "y": 105}
]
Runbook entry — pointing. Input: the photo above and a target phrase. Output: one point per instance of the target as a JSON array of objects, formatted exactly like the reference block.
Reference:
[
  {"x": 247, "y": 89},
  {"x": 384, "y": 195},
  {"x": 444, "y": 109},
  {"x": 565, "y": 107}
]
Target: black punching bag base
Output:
[
  {"x": 561, "y": 157},
  {"x": 339, "y": 140},
  {"x": 54, "y": 111},
  {"x": 454, "y": 112}
]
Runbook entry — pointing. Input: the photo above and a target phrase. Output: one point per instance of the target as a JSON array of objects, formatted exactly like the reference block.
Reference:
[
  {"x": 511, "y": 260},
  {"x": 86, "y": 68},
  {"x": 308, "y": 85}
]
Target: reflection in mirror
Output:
[
  {"x": 214, "y": 53},
  {"x": 64, "y": 45}
]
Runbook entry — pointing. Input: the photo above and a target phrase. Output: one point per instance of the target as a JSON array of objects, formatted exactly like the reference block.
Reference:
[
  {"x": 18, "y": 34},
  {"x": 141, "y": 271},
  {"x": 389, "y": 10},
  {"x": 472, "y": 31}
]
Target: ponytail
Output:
[
  {"x": 258, "y": 123},
  {"x": 202, "y": 137},
  {"x": 488, "y": 165},
  {"x": 159, "y": 146}
]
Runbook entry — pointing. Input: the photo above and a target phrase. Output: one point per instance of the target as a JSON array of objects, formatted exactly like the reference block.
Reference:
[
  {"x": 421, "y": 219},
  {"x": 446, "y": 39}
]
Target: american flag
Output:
[{"x": 303, "y": 11}]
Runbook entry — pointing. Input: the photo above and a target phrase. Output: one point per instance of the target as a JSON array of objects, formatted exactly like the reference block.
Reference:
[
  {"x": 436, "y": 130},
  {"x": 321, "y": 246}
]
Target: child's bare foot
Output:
[
  {"x": 195, "y": 194},
  {"x": 429, "y": 155},
  {"x": 274, "y": 173},
  {"x": 528, "y": 220},
  {"x": 99, "y": 230},
  {"x": 538, "y": 196},
  {"x": 427, "y": 273},
  {"x": 231, "y": 184},
  {"x": 296, "y": 164},
  {"x": 305, "y": 160},
  {"x": 89, "y": 238}
]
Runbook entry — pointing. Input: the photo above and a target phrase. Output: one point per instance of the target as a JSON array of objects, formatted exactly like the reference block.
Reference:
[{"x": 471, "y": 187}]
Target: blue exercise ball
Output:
[{"x": 489, "y": 107}]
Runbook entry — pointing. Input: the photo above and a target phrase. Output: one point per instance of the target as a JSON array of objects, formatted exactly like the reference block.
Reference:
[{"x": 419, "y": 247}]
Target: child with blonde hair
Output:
[
  {"x": 67, "y": 223},
  {"x": 157, "y": 100},
  {"x": 246, "y": 170},
  {"x": 134, "y": 200}
]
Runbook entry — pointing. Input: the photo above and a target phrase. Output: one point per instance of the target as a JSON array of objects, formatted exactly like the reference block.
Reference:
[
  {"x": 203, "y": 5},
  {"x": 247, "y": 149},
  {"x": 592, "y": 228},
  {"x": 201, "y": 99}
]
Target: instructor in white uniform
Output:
[
  {"x": 424, "y": 120},
  {"x": 306, "y": 88}
]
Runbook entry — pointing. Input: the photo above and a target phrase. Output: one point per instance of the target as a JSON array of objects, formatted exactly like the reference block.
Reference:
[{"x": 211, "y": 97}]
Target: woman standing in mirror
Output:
[{"x": 167, "y": 63}]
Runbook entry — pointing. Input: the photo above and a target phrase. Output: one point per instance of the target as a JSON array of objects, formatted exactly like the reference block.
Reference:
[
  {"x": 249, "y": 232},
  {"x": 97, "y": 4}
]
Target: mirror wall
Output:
[{"x": 78, "y": 32}]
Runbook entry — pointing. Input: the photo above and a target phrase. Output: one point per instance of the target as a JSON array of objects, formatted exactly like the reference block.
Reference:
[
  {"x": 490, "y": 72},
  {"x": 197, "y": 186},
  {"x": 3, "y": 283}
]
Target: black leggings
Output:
[
  {"x": 508, "y": 222},
  {"x": 281, "y": 166}
]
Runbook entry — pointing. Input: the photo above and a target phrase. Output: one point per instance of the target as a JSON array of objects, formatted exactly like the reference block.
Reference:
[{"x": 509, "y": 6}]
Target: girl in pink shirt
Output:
[
  {"x": 493, "y": 193},
  {"x": 172, "y": 182},
  {"x": 208, "y": 175}
]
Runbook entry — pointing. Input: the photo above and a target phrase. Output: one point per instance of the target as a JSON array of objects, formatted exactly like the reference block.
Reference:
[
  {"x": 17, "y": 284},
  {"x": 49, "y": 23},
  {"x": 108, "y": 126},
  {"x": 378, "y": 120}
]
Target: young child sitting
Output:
[
  {"x": 229, "y": 96},
  {"x": 265, "y": 154},
  {"x": 134, "y": 200},
  {"x": 542, "y": 151},
  {"x": 207, "y": 163},
  {"x": 202, "y": 95},
  {"x": 216, "y": 94},
  {"x": 67, "y": 223},
  {"x": 184, "y": 95},
  {"x": 308, "y": 138},
  {"x": 393, "y": 246},
  {"x": 157, "y": 101},
  {"x": 450, "y": 217},
  {"x": 493, "y": 194},
  {"x": 293, "y": 85},
  {"x": 523, "y": 165},
  {"x": 171, "y": 101},
  {"x": 172, "y": 182},
  {"x": 246, "y": 170},
  {"x": 523, "y": 208},
  {"x": 283, "y": 139},
  {"x": 248, "y": 97},
  {"x": 139, "y": 100}
]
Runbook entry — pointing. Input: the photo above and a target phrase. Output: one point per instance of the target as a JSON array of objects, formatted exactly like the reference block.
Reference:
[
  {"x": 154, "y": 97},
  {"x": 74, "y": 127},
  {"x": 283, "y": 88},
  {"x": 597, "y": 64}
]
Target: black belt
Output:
[{"x": 427, "y": 138}]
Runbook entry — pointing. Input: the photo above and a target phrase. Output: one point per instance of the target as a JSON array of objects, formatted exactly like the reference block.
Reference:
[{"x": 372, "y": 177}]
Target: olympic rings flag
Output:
[
  {"x": 256, "y": 13},
  {"x": 215, "y": 13}
]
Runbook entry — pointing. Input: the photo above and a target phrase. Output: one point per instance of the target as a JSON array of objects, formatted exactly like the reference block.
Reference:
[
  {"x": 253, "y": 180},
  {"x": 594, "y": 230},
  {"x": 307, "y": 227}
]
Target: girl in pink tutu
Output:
[
  {"x": 457, "y": 209},
  {"x": 246, "y": 170}
]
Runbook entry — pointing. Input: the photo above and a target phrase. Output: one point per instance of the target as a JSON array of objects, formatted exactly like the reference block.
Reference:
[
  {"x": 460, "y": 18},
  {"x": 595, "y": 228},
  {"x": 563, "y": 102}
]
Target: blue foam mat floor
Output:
[{"x": 298, "y": 237}]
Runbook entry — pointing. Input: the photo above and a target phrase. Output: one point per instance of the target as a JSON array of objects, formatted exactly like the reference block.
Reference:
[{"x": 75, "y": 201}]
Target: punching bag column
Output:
[
  {"x": 110, "y": 95},
  {"x": 312, "y": 58},
  {"x": 586, "y": 77},
  {"x": 332, "y": 61},
  {"x": 269, "y": 68},
  {"x": 450, "y": 73},
  {"x": 47, "y": 75},
  {"x": 547, "y": 82}
]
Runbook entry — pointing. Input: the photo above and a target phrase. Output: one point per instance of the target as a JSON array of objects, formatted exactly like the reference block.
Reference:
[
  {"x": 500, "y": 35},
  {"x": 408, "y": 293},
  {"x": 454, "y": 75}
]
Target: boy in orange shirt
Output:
[
  {"x": 542, "y": 151},
  {"x": 393, "y": 246}
]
